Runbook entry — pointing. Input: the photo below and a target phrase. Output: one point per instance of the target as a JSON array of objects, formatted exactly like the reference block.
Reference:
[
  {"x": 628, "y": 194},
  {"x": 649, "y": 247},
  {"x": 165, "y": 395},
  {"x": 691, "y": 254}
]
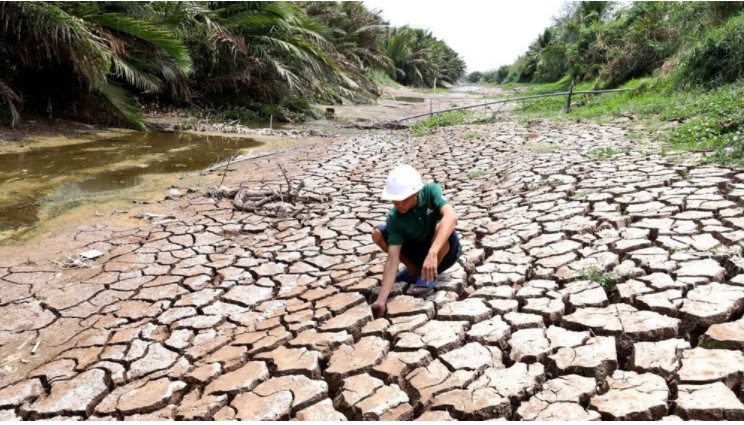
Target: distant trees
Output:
[
  {"x": 261, "y": 58},
  {"x": 474, "y": 77},
  {"x": 495, "y": 76}
]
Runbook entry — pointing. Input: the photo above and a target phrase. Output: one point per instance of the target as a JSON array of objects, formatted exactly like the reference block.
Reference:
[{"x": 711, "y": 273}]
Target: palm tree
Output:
[
  {"x": 357, "y": 38},
  {"x": 421, "y": 59},
  {"x": 265, "y": 55},
  {"x": 59, "y": 50},
  {"x": 413, "y": 61}
]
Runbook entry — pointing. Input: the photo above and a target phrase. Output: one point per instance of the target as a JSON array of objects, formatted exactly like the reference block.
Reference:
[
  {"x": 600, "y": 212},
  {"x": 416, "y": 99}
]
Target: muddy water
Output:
[
  {"x": 410, "y": 99},
  {"x": 29, "y": 179}
]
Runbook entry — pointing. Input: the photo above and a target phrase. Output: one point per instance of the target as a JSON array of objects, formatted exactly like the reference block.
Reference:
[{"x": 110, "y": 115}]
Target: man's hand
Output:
[
  {"x": 378, "y": 308},
  {"x": 429, "y": 269}
]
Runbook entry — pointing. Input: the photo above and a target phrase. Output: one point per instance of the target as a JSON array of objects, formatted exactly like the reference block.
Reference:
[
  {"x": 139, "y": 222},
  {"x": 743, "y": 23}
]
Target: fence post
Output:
[
  {"x": 570, "y": 93},
  {"x": 431, "y": 109}
]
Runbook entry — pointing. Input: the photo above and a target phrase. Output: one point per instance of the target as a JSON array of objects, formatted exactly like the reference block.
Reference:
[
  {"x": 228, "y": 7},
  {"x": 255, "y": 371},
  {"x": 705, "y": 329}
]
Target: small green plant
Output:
[
  {"x": 711, "y": 344},
  {"x": 543, "y": 149},
  {"x": 635, "y": 136},
  {"x": 606, "y": 280},
  {"x": 683, "y": 173},
  {"x": 470, "y": 135},
  {"x": 602, "y": 154},
  {"x": 476, "y": 173},
  {"x": 581, "y": 194}
]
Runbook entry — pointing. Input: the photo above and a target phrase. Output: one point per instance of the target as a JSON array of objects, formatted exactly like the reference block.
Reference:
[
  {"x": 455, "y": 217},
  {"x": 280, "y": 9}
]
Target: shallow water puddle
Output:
[
  {"x": 28, "y": 179},
  {"x": 410, "y": 99}
]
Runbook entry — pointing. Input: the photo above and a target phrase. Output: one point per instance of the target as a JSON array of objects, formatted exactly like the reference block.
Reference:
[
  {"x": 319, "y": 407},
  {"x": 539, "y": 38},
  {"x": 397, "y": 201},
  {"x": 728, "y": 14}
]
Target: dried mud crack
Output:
[{"x": 587, "y": 290}]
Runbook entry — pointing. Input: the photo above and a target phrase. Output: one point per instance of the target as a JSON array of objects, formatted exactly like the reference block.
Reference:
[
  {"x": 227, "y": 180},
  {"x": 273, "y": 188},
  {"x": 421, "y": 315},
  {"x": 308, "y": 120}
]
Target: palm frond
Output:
[
  {"x": 132, "y": 75},
  {"x": 147, "y": 32},
  {"x": 123, "y": 105}
]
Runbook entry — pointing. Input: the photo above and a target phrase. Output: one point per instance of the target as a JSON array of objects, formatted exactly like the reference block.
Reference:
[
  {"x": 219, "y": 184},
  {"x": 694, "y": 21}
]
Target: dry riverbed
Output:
[{"x": 599, "y": 280}]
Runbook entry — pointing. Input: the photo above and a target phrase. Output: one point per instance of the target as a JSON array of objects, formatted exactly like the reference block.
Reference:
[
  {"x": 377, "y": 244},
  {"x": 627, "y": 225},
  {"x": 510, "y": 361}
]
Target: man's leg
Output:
[
  {"x": 444, "y": 249},
  {"x": 379, "y": 239},
  {"x": 450, "y": 258}
]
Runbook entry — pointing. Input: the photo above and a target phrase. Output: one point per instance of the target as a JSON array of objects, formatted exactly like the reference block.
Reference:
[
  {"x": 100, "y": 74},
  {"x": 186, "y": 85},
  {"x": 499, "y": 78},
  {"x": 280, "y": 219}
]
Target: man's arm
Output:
[
  {"x": 445, "y": 229},
  {"x": 388, "y": 279}
]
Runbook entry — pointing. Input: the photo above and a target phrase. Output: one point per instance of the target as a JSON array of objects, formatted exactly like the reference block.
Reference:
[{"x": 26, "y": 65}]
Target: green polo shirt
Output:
[{"x": 418, "y": 224}]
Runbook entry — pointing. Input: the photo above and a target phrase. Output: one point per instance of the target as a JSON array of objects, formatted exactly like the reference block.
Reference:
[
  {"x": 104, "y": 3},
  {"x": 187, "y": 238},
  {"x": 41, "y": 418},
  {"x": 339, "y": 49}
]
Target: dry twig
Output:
[{"x": 254, "y": 200}]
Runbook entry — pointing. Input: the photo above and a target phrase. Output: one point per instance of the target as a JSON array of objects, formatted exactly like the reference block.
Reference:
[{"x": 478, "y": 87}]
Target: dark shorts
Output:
[{"x": 416, "y": 252}]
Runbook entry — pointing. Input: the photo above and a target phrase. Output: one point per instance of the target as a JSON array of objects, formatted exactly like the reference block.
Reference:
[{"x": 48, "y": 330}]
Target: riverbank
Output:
[{"x": 585, "y": 253}]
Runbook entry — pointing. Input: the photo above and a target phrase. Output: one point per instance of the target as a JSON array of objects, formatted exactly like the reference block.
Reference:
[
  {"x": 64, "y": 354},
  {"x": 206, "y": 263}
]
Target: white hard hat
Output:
[{"x": 401, "y": 183}]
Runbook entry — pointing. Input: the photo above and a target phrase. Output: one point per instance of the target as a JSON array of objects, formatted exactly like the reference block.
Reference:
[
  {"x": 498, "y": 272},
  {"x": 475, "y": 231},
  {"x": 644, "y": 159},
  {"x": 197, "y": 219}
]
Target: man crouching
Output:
[{"x": 419, "y": 232}]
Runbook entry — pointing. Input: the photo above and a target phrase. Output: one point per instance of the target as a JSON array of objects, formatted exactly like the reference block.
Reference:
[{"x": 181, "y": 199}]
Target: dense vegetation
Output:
[
  {"x": 102, "y": 61},
  {"x": 610, "y": 43},
  {"x": 683, "y": 60}
]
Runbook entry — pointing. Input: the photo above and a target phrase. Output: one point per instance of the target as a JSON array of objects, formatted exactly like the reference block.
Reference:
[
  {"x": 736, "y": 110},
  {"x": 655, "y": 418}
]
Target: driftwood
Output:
[{"x": 288, "y": 200}]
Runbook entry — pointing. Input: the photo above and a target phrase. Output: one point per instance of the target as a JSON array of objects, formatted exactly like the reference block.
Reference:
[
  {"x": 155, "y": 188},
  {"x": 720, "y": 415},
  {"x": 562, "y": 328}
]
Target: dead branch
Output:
[
  {"x": 289, "y": 202},
  {"x": 297, "y": 190},
  {"x": 284, "y": 173}
]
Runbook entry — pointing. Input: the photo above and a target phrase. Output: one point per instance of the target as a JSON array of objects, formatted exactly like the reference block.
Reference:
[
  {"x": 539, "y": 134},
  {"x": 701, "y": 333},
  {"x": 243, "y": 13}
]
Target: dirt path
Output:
[{"x": 598, "y": 280}]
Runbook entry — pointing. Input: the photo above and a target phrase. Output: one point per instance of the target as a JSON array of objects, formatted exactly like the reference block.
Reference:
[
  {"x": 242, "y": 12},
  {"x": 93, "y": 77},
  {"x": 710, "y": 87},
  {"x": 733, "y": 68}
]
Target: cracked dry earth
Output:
[{"x": 223, "y": 314}]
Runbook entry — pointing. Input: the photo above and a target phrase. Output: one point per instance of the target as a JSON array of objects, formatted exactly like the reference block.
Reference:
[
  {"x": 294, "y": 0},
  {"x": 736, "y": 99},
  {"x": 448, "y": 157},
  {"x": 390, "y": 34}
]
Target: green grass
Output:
[
  {"x": 602, "y": 154},
  {"x": 382, "y": 78},
  {"x": 447, "y": 119},
  {"x": 470, "y": 135},
  {"x": 689, "y": 120}
]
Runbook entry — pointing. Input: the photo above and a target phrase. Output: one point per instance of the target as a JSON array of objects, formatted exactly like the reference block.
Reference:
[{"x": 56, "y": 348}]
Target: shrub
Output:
[{"x": 716, "y": 59}]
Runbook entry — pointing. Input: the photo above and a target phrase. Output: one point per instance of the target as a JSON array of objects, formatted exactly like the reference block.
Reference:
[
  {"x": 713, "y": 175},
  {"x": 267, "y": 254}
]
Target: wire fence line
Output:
[{"x": 504, "y": 101}]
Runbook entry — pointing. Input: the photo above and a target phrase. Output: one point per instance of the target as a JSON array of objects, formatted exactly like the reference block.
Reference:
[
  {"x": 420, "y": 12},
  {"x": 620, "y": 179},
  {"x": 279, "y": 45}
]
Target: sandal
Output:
[{"x": 423, "y": 287}]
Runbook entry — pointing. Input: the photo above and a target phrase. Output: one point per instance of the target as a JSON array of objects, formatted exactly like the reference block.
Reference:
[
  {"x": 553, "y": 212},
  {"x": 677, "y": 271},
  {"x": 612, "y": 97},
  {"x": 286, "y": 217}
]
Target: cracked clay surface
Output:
[{"x": 587, "y": 290}]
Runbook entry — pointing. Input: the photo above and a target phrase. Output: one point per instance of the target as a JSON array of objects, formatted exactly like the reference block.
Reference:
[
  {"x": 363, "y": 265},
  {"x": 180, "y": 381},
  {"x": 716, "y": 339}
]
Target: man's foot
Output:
[
  {"x": 405, "y": 277},
  {"x": 423, "y": 287}
]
